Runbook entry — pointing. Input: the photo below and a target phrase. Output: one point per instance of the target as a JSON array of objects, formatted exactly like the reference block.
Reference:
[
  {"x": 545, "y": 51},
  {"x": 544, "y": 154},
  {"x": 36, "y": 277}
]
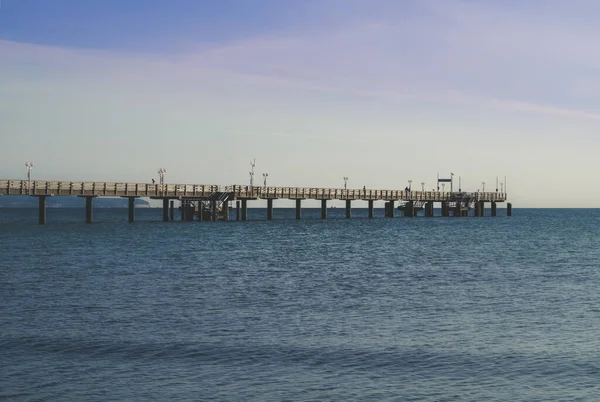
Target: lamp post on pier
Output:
[
  {"x": 443, "y": 187},
  {"x": 483, "y": 187},
  {"x": 29, "y": 166},
  {"x": 410, "y": 185},
  {"x": 161, "y": 175},
  {"x": 265, "y": 175},
  {"x": 252, "y": 164},
  {"x": 422, "y": 186},
  {"x": 345, "y": 186}
]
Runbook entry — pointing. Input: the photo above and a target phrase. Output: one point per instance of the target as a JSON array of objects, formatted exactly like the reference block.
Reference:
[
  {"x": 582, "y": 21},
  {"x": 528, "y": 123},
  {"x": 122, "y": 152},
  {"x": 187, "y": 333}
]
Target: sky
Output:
[{"x": 379, "y": 91}]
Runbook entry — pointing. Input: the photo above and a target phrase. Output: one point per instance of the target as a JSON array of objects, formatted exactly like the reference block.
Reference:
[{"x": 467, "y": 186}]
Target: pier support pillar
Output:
[
  {"x": 165, "y": 209},
  {"x": 445, "y": 209},
  {"x": 370, "y": 209},
  {"x": 172, "y": 210},
  {"x": 88, "y": 209},
  {"x": 42, "y": 209},
  {"x": 131, "y": 205},
  {"x": 298, "y": 209},
  {"x": 508, "y": 209},
  {"x": 189, "y": 211},
  {"x": 323, "y": 209},
  {"x": 269, "y": 209},
  {"x": 457, "y": 210},
  {"x": 429, "y": 209},
  {"x": 348, "y": 209},
  {"x": 213, "y": 205},
  {"x": 200, "y": 211},
  {"x": 482, "y": 208},
  {"x": 493, "y": 208},
  {"x": 237, "y": 210},
  {"x": 409, "y": 209},
  {"x": 183, "y": 210},
  {"x": 244, "y": 210},
  {"x": 389, "y": 209},
  {"x": 225, "y": 207}
]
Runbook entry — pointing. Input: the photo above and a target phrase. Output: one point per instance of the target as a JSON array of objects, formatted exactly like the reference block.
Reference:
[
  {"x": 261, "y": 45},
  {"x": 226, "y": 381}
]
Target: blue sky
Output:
[
  {"x": 136, "y": 25},
  {"x": 379, "y": 91}
]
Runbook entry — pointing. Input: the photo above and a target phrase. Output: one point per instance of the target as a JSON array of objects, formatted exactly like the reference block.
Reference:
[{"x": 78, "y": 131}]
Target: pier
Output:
[{"x": 211, "y": 202}]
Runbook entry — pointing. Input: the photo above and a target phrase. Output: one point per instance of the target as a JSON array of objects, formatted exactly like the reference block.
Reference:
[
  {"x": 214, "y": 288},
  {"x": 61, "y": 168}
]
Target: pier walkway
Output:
[{"x": 199, "y": 198}]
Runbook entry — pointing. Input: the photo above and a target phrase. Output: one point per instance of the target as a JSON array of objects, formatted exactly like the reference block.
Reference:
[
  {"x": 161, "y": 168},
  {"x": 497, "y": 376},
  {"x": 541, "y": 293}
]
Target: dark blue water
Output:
[{"x": 385, "y": 309}]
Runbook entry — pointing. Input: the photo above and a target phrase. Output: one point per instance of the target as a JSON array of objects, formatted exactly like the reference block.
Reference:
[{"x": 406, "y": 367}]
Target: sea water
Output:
[{"x": 435, "y": 309}]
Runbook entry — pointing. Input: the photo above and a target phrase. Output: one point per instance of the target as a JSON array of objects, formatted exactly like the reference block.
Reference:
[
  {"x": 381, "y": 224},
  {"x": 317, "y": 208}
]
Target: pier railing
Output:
[{"x": 199, "y": 191}]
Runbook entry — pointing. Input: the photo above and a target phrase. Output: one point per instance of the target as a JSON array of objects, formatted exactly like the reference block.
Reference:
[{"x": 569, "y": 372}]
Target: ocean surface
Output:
[{"x": 432, "y": 309}]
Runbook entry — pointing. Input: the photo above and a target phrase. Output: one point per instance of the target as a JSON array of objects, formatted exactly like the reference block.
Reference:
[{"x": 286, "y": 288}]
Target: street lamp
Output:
[
  {"x": 345, "y": 183},
  {"x": 422, "y": 186},
  {"x": 501, "y": 187},
  {"x": 410, "y": 185},
  {"x": 451, "y": 180},
  {"x": 253, "y": 163},
  {"x": 483, "y": 186},
  {"x": 161, "y": 173},
  {"x": 29, "y": 166},
  {"x": 265, "y": 175}
]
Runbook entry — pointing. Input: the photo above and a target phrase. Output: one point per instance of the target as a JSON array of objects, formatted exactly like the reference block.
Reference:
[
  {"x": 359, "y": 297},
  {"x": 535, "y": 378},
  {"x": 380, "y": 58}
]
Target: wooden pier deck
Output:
[{"x": 218, "y": 194}]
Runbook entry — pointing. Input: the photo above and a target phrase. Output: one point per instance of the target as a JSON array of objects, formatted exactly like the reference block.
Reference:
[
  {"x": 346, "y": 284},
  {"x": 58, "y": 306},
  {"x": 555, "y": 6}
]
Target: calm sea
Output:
[{"x": 436, "y": 309}]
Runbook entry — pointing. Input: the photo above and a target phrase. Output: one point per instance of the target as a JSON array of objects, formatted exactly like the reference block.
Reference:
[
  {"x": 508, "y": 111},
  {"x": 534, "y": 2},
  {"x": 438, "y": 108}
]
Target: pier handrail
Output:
[{"x": 173, "y": 190}]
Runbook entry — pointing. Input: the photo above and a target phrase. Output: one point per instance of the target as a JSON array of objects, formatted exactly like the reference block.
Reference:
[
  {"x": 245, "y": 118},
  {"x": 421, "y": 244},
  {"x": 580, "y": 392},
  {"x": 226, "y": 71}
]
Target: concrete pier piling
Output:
[
  {"x": 237, "y": 210},
  {"x": 165, "y": 209},
  {"x": 189, "y": 211},
  {"x": 88, "y": 209},
  {"x": 445, "y": 209},
  {"x": 270, "y": 209},
  {"x": 429, "y": 209},
  {"x": 508, "y": 209},
  {"x": 213, "y": 205},
  {"x": 298, "y": 208},
  {"x": 370, "y": 209},
  {"x": 244, "y": 210},
  {"x": 323, "y": 209},
  {"x": 225, "y": 210},
  {"x": 409, "y": 209},
  {"x": 42, "y": 209},
  {"x": 493, "y": 208},
  {"x": 348, "y": 209},
  {"x": 172, "y": 210},
  {"x": 131, "y": 208}
]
